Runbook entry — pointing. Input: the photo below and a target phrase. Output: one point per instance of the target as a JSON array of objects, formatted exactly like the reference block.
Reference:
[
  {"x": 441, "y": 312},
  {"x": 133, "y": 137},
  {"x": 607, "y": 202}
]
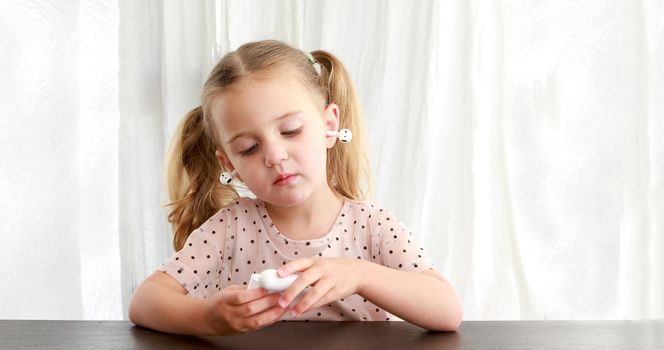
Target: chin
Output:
[{"x": 287, "y": 201}]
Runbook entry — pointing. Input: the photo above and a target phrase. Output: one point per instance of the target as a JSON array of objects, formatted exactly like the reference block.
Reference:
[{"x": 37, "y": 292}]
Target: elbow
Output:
[
  {"x": 134, "y": 311},
  {"x": 451, "y": 322}
]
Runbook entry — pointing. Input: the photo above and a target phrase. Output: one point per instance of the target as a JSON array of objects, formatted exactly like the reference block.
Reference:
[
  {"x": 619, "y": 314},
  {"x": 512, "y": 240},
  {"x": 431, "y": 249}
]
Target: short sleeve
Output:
[
  {"x": 398, "y": 248},
  {"x": 197, "y": 266}
]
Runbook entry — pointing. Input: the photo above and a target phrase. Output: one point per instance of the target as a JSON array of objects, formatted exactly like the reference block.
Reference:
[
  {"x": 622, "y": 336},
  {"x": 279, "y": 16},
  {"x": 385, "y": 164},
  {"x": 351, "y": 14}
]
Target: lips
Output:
[{"x": 284, "y": 179}]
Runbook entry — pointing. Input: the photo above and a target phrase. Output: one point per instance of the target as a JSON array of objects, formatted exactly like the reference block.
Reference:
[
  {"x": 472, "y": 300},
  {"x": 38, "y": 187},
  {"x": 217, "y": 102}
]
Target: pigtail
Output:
[
  {"x": 193, "y": 178},
  {"x": 348, "y": 173}
]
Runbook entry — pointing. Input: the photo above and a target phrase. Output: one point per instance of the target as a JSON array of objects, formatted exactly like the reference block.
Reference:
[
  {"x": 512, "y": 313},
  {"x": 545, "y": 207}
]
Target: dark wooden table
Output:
[{"x": 342, "y": 335}]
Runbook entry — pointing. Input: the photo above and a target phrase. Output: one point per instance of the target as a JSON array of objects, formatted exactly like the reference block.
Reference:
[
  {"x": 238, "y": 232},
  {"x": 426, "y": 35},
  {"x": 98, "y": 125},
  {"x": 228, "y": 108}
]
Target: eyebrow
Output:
[{"x": 278, "y": 118}]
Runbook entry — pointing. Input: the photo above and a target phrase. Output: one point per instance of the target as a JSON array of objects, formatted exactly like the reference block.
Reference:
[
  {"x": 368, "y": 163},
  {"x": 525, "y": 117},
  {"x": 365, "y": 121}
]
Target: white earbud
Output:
[
  {"x": 269, "y": 280},
  {"x": 344, "y": 135},
  {"x": 226, "y": 177}
]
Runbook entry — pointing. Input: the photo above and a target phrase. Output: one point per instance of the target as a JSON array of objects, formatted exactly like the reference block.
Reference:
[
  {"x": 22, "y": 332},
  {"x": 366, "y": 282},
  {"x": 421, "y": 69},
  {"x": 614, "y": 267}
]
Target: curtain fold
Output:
[{"x": 522, "y": 142}]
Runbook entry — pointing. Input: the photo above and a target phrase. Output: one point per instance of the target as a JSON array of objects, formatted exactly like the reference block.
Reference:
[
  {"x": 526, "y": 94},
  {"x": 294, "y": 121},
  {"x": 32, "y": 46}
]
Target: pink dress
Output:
[{"x": 241, "y": 239}]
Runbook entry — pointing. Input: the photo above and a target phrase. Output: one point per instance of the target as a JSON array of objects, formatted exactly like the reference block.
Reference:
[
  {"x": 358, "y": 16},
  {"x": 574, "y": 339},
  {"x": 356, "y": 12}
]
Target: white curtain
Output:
[
  {"x": 522, "y": 142},
  {"x": 59, "y": 251}
]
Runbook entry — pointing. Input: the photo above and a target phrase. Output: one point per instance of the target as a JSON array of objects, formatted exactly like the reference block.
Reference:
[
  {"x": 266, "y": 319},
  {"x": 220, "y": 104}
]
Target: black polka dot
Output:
[
  {"x": 190, "y": 244},
  {"x": 252, "y": 241},
  {"x": 237, "y": 270},
  {"x": 308, "y": 243},
  {"x": 192, "y": 257},
  {"x": 196, "y": 271},
  {"x": 208, "y": 257},
  {"x": 248, "y": 262},
  {"x": 205, "y": 241},
  {"x": 390, "y": 252}
]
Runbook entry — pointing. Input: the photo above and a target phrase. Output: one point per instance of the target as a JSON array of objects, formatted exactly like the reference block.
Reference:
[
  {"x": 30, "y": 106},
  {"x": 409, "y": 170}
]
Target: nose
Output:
[{"x": 275, "y": 153}]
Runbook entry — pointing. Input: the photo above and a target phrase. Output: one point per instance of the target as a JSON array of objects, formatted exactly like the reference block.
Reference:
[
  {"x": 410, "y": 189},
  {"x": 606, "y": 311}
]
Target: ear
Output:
[
  {"x": 225, "y": 163},
  {"x": 331, "y": 113}
]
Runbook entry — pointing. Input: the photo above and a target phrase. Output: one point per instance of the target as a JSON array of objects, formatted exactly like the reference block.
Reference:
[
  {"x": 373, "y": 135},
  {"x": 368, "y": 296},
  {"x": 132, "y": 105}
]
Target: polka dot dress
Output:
[{"x": 241, "y": 239}]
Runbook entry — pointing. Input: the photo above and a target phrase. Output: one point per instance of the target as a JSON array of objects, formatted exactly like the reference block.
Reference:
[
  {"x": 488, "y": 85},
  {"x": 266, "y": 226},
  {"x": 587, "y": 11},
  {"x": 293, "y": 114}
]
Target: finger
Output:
[
  {"x": 265, "y": 318},
  {"x": 303, "y": 280},
  {"x": 313, "y": 296},
  {"x": 236, "y": 296},
  {"x": 329, "y": 297},
  {"x": 295, "y": 266},
  {"x": 259, "y": 305}
]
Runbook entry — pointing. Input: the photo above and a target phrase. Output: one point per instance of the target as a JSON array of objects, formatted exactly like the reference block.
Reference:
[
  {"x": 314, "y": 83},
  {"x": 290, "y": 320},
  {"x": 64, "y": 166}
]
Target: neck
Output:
[{"x": 310, "y": 219}]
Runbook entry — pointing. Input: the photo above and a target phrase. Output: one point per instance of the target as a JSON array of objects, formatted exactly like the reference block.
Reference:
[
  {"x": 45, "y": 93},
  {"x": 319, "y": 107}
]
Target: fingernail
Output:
[{"x": 283, "y": 303}]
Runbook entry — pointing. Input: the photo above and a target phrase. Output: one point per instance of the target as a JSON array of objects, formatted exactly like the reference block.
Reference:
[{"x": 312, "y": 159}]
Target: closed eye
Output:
[
  {"x": 249, "y": 150},
  {"x": 292, "y": 132}
]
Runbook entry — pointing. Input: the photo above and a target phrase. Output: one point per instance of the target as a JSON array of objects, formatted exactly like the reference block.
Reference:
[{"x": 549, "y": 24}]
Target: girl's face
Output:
[{"x": 272, "y": 131}]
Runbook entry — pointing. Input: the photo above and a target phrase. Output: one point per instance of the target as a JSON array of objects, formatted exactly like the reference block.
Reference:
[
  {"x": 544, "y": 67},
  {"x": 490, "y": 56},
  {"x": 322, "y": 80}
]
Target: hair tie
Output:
[
  {"x": 310, "y": 57},
  {"x": 313, "y": 62}
]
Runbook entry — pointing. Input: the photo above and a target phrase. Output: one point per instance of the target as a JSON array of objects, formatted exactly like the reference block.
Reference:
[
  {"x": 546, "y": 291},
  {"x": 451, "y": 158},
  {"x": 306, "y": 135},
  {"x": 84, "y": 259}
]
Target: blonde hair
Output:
[{"x": 193, "y": 170}]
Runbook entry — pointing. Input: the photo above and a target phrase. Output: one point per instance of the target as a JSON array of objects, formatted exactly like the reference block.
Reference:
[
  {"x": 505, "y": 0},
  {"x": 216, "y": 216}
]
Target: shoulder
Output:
[
  {"x": 370, "y": 209},
  {"x": 374, "y": 215},
  {"x": 240, "y": 207}
]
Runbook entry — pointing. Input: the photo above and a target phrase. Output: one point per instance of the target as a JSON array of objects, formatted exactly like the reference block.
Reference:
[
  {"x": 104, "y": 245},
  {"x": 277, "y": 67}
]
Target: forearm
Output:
[
  {"x": 418, "y": 298},
  {"x": 156, "y": 307}
]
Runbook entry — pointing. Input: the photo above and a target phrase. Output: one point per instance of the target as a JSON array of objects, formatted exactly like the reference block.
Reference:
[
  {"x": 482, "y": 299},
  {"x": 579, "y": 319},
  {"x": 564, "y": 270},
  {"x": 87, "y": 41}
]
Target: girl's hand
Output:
[
  {"x": 329, "y": 279},
  {"x": 235, "y": 309}
]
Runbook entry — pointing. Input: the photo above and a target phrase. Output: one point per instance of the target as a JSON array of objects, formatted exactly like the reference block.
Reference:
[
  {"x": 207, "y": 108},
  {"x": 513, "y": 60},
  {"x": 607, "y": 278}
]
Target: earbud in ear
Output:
[
  {"x": 226, "y": 177},
  {"x": 344, "y": 135}
]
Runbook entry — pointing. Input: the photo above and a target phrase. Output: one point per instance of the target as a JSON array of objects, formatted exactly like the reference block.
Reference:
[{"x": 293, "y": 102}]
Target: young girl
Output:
[{"x": 269, "y": 119}]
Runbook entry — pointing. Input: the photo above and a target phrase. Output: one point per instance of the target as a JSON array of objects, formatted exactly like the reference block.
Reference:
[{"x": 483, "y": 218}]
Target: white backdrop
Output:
[{"x": 523, "y": 143}]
